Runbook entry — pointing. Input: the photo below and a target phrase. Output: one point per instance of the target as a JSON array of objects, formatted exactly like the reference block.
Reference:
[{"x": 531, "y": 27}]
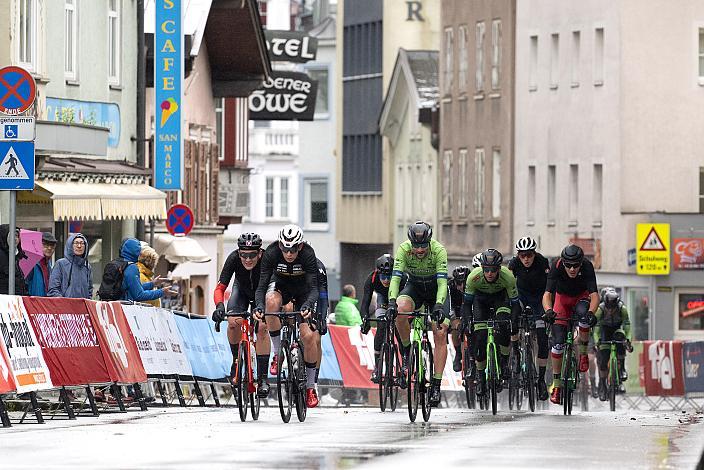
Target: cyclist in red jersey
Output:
[{"x": 571, "y": 287}]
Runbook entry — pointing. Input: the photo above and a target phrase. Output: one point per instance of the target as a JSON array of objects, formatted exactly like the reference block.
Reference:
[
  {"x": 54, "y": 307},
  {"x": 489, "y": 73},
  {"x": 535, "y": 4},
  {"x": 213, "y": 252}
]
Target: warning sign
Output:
[
  {"x": 11, "y": 166},
  {"x": 653, "y": 256}
]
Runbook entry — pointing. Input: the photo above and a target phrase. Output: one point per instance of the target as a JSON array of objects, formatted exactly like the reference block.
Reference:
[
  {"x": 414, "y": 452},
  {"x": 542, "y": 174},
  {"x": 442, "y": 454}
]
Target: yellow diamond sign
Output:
[{"x": 653, "y": 249}]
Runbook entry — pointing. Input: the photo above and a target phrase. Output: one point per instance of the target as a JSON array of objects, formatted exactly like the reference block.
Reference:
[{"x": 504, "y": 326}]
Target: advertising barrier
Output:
[
  {"x": 202, "y": 351},
  {"x": 329, "y": 366},
  {"x": 662, "y": 362},
  {"x": 693, "y": 366},
  {"x": 29, "y": 370},
  {"x": 7, "y": 380},
  {"x": 635, "y": 365},
  {"x": 68, "y": 340},
  {"x": 355, "y": 355}
]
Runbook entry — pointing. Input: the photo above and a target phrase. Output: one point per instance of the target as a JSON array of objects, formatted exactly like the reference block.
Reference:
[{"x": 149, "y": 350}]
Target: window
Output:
[
  {"x": 599, "y": 56},
  {"x": 576, "y": 39},
  {"x": 496, "y": 184},
  {"x": 283, "y": 197},
  {"x": 277, "y": 197},
  {"x": 316, "y": 209},
  {"x": 530, "y": 210},
  {"x": 71, "y": 39},
  {"x": 480, "y": 56},
  {"x": 449, "y": 60},
  {"x": 463, "y": 67},
  {"x": 270, "y": 197},
  {"x": 27, "y": 34},
  {"x": 220, "y": 126},
  {"x": 689, "y": 316},
  {"x": 574, "y": 194},
  {"x": 496, "y": 54},
  {"x": 554, "y": 60},
  {"x": 114, "y": 39},
  {"x": 533, "y": 72},
  {"x": 479, "y": 183},
  {"x": 597, "y": 193},
  {"x": 462, "y": 186},
  {"x": 447, "y": 184},
  {"x": 322, "y": 99},
  {"x": 701, "y": 56},
  {"x": 552, "y": 181}
]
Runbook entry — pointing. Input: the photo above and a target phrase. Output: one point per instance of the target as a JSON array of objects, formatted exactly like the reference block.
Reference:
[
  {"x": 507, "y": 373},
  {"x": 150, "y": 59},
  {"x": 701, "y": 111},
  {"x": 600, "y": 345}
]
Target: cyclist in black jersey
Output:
[
  {"x": 456, "y": 285},
  {"x": 289, "y": 273}
]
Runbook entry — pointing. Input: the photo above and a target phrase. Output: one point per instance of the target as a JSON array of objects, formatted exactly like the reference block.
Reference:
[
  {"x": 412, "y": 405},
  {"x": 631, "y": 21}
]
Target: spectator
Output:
[
  {"x": 146, "y": 264},
  {"x": 72, "y": 276},
  {"x": 346, "y": 312},
  {"x": 38, "y": 277},
  {"x": 20, "y": 285},
  {"x": 132, "y": 287}
]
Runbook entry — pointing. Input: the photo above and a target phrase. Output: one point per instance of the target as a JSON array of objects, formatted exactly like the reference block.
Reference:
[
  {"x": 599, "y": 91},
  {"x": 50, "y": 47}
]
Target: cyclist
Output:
[
  {"x": 289, "y": 273},
  {"x": 244, "y": 264},
  {"x": 491, "y": 286},
  {"x": 612, "y": 323},
  {"x": 571, "y": 288},
  {"x": 456, "y": 284},
  {"x": 425, "y": 261},
  {"x": 378, "y": 281},
  {"x": 531, "y": 269}
]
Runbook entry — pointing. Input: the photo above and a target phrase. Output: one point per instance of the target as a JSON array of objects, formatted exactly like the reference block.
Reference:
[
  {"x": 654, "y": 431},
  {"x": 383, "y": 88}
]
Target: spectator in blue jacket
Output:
[
  {"x": 72, "y": 275},
  {"x": 38, "y": 277},
  {"x": 132, "y": 287}
]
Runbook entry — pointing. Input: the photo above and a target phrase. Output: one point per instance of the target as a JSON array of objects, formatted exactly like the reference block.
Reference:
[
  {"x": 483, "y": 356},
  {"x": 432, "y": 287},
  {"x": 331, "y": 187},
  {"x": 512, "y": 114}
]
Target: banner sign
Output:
[
  {"x": 168, "y": 84},
  {"x": 29, "y": 370},
  {"x": 158, "y": 340},
  {"x": 116, "y": 342},
  {"x": 693, "y": 353},
  {"x": 635, "y": 365},
  {"x": 329, "y": 366},
  {"x": 290, "y": 46},
  {"x": 663, "y": 368},
  {"x": 688, "y": 253},
  {"x": 7, "y": 380},
  {"x": 68, "y": 340},
  {"x": 355, "y": 355},
  {"x": 202, "y": 351},
  {"x": 91, "y": 113},
  {"x": 223, "y": 345},
  {"x": 285, "y": 96}
]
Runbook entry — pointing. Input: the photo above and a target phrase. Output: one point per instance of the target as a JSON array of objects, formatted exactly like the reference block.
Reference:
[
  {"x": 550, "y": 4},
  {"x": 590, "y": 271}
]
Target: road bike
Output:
[
  {"x": 524, "y": 377},
  {"x": 493, "y": 369},
  {"x": 420, "y": 365},
  {"x": 389, "y": 366},
  {"x": 570, "y": 370},
  {"x": 469, "y": 366},
  {"x": 613, "y": 379}
]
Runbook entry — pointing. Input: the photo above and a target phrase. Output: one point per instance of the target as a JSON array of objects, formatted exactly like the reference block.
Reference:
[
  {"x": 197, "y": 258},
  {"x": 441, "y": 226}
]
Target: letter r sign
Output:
[{"x": 414, "y": 8}]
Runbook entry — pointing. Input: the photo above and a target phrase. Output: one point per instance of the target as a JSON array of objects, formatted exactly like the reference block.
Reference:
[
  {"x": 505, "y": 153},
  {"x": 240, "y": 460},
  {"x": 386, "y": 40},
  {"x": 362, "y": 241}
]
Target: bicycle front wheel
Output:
[
  {"x": 381, "y": 368},
  {"x": 242, "y": 383},
  {"x": 513, "y": 385},
  {"x": 254, "y": 402},
  {"x": 393, "y": 368},
  {"x": 613, "y": 383},
  {"x": 469, "y": 372},
  {"x": 529, "y": 370},
  {"x": 493, "y": 376},
  {"x": 566, "y": 371},
  {"x": 427, "y": 358},
  {"x": 300, "y": 385},
  {"x": 412, "y": 382},
  {"x": 285, "y": 379}
]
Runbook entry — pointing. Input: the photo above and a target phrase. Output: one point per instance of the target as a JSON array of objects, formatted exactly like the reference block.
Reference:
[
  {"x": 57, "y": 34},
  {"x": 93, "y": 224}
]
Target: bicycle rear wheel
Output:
[
  {"x": 493, "y": 376},
  {"x": 469, "y": 373},
  {"x": 514, "y": 386},
  {"x": 427, "y": 358},
  {"x": 381, "y": 368},
  {"x": 413, "y": 381},
  {"x": 300, "y": 385},
  {"x": 529, "y": 370},
  {"x": 393, "y": 368},
  {"x": 242, "y": 383},
  {"x": 285, "y": 379}
]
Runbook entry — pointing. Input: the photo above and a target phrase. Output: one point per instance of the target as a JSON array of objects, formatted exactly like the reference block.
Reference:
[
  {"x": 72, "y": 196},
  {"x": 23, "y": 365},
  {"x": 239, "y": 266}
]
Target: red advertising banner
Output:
[
  {"x": 664, "y": 370},
  {"x": 355, "y": 354},
  {"x": 68, "y": 340},
  {"x": 7, "y": 381},
  {"x": 116, "y": 342},
  {"x": 688, "y": 253}
]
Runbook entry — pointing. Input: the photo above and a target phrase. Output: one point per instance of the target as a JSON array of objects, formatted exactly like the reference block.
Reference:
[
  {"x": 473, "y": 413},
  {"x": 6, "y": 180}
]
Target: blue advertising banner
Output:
[
  {"x": 329, "y": 367},
  {"x": 693, "y": 355},
  {"x": 201, "y": 349},
  {"x": 92, "y": 113},
  {"x": 168, "y": 85}
]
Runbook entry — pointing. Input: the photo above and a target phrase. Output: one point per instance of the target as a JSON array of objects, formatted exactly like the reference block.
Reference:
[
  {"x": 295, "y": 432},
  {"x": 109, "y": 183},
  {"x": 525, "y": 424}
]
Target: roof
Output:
[{"x": 91, "y": 166}]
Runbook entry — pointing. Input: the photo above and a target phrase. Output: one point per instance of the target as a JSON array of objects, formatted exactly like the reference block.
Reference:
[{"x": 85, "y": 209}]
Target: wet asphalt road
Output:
[{"x": 359, "y": 437}]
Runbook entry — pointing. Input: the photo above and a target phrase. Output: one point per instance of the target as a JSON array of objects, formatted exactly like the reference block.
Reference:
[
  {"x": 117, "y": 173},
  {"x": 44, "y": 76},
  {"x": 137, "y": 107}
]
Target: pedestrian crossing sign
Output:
[
  {"x": 653, "y": 245},
  {"x": 16, "y": 165}
]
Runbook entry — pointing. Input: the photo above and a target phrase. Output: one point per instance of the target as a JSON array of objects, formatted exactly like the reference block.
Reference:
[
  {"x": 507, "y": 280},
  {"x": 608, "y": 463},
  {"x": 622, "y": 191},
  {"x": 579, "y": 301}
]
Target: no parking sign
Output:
[{"x": 179, "y": 219}]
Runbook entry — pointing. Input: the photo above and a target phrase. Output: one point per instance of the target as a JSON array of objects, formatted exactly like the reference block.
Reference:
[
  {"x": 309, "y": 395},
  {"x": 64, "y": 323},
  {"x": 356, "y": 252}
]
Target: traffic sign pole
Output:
[{"x": 12, "y": 243}]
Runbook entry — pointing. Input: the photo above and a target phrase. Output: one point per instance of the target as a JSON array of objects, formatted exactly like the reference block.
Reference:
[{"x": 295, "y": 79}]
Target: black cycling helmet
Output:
[
  {"x": 249, "y": 241},
  {"x": 492, "y": 257},
  {"x": 420, "y": 232},
  {"x": 460, "y": 273},
  {"x": 572, "y": 254},
  {"x": 385, "y": 264}
]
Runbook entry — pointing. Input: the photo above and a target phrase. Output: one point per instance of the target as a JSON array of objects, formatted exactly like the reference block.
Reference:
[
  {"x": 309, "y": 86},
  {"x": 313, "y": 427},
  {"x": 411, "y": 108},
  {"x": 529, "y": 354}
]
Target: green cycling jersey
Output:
[
  {"x": 433, "y": 266},
  {"x": 477, "y": 284}
]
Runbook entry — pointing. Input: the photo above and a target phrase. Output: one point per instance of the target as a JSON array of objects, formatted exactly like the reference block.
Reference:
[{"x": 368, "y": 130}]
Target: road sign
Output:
[
  {"x": 179, "y": 219},
  {"x": 653, "y": 249},
  {"x": 16, "y": 128},
  {"x": 16, "y": 165},
  {"x": 18, "y": 90}
]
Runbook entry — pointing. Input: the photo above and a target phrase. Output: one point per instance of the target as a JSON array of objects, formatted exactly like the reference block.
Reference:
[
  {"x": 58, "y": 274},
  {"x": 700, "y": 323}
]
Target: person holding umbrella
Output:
[
  {"x": 20, "y": 285},
  {"x": 38, "y": 277}
]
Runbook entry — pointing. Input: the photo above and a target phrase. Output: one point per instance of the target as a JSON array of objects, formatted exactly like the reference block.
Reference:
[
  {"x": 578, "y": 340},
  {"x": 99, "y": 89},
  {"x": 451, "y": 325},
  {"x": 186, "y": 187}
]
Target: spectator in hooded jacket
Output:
[
  {"x": 146, "y": 264},
  {"x": 38, "y": 277},
  {"x": 72, "y": 275},
  {"x": 132, "y": 287},
  {"x": 20, "y": 285}
]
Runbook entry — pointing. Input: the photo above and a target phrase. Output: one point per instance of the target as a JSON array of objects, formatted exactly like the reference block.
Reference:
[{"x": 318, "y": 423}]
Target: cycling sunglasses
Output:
[
  {"x": 384, "y": 277},
  {"x": 293, "y": 249},
  {"x": 572, "y": 265},
  {"x": 248, "y": 255},
  {"x": 490, "y": 269},
  {"x": 420, "y": 245}
]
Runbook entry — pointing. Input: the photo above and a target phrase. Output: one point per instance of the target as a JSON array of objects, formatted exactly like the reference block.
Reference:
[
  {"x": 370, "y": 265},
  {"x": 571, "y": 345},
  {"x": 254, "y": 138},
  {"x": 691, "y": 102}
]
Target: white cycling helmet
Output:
[
  {"x": 290, "y": 235},
  {"x": 477, "y": 260},
  {"x": 526, "y": 244}
]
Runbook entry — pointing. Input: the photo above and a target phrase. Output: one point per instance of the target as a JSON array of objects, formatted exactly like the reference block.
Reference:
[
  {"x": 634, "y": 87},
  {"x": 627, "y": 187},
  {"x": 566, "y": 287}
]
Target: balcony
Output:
[{"x": 273, "y": 141}]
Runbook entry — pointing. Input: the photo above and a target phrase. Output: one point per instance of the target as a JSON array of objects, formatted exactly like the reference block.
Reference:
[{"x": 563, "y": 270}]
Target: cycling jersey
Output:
[
  {"x": 245, "y": 283},
  {"x": 427, "y": 274},
  {"x": 295, "y": 281},
  {"x": 478, "y": 285},
  {"x": 456, "y": 298},
  {"x": 373, "y": 284},
  {"x": 608, "y": 321},
  {"x": 530, "y": 281},
  {"x": 560, "y": 283}
]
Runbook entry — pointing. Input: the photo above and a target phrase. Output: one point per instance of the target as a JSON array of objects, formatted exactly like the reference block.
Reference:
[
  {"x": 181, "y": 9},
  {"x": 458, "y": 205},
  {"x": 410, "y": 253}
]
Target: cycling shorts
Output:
[{"x": 564, "y": 306}]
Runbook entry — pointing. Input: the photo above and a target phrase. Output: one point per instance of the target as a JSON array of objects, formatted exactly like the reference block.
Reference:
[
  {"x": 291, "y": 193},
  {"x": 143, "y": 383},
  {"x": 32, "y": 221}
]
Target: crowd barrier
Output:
[{"x": 54, "y": 343}]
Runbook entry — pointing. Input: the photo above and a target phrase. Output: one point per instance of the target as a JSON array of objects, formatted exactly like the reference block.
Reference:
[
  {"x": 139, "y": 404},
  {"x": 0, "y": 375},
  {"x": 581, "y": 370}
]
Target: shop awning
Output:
[
  {"x": 180, "y": 249},
  {"x": 74, "y": 200}
]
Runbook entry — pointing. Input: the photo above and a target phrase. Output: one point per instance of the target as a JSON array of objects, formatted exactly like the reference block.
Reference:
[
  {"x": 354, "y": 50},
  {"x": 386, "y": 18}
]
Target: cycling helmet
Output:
[
  {"x": 420, "y": 232},
  {"x": 572, "y": 254},
  {"x": 603, "y": 291},
  {"x": 290, "y": 235},
  {"x": 492, "y": 257},
  {"x": 526, "y": 244},
  {"x": 460, "y": 273},
  {"x": 611, "y": 298},
  {"x": 249, "y": 241},
  {"x": 385, "y": 264},
  {"x": 477, "y": 260}
]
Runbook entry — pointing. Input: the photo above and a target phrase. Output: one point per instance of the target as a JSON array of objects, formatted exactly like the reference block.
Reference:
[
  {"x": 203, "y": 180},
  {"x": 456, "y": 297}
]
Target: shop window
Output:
[{"x": 690, "y": 309}]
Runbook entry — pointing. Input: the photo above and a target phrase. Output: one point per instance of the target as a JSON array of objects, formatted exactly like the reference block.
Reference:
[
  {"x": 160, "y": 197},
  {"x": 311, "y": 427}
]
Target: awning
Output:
[
  {"x": 180, "y": 249},
  {"x": 98, "y": 201}
]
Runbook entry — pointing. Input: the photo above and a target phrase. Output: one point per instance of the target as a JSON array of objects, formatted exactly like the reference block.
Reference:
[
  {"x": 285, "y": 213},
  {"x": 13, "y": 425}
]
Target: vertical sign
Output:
[{"x": 168, "y": 84}]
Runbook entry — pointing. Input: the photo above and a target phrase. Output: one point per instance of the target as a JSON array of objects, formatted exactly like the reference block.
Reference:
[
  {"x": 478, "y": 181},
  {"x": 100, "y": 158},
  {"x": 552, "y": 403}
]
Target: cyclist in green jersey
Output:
[
  {"x": 491, "y": 286},
  {"x": 425, "y": 262}
]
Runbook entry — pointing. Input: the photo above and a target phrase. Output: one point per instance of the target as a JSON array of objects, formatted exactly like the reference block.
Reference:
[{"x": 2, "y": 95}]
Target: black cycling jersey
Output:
[
  {"x": 531, "y": 281},
  {"x": 559, "y": 282},
  {"x": 456, "y": 298},
  {"x": 247, "y": 281},
  {"x": 299, "y": 278},
  {"x": 322, "y": 287},
  {"x": 373, "y": 284}
]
